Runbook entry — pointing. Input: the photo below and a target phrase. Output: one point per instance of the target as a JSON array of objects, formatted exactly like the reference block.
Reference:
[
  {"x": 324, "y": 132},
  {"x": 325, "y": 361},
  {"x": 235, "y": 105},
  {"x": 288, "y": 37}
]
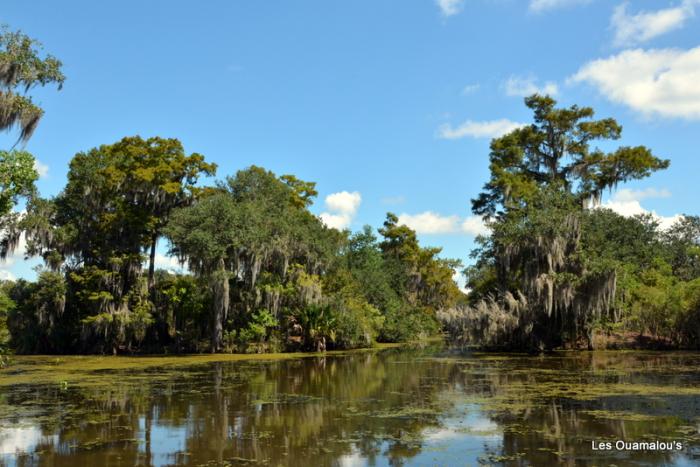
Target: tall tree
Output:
[
  {"x": 117, "y": 199},
  {"x": 543, "y": 178},
  {"x": 21, "y": 69},
  {"x": 555, "y": 152},
  {"x": 257, "y": 230}
]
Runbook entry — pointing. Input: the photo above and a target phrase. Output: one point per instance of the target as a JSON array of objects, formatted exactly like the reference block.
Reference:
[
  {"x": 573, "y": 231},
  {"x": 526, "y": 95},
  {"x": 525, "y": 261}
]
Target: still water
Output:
[{"x": 401, "y": 406}]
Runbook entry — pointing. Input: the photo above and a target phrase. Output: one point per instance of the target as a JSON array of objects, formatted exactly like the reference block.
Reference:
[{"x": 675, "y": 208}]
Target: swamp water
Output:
[{"x": 392, "y": 407}]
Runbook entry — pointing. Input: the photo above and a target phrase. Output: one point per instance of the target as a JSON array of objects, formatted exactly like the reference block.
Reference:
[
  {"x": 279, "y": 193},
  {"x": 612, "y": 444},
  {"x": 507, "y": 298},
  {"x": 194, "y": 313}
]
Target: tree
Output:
[
  {"x": 21, "y": 69},
  {"x": 253, "y": 232},
  {"x": 205, "y": 234},
  {"x": 555, "y": 152},
  {"x": 17, "y": 177},
  {"x": 115, "y": 203},
  {"x": 422, "y": 280},
  {"x": 533, "y": 266},
  {"x": 153, "y": 176}
]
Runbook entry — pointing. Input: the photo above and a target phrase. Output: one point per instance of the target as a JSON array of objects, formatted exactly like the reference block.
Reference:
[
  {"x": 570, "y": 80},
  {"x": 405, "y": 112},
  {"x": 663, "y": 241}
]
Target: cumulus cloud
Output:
[
  {"x": 474, "y": 225},
  {"x": 11, "y": 259},
  {"x": 646, "y": 25},
  {"x": 429, "y": 222},
  {"x": 449, "y": 7},
  {"x": 41, "y": 168},
  {"x": 543, "y": 5},
  {"x": 654, "y": 82},
  {"x": 627, "y": 203},
  {"x": 6, "y": 275},
  {"x": 341, "y": 209},
  {"x": 527, "y": 85},
  {"x": 169, "y": 263},
  {"x": 625, "y": 194},
  {"x": 473, "y": 129}
]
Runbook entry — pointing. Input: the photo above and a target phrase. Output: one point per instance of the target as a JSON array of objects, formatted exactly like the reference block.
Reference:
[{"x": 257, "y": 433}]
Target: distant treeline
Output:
[{"x": 266, "y": 274}]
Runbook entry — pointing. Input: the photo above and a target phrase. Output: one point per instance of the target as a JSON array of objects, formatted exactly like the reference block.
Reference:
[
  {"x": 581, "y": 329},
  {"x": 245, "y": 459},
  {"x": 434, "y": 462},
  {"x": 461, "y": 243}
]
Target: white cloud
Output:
[
  {"x": 17, "y": 254},
  {"x": 660, "y": 81},
  {"x": 6, "y": 275},
  {"x": 627, "y": 203},
  {"x": 474, "y": 225},
  {"x": 169, "y": 263},
  {"x": 645, "y": 25},
  {"x": 344, "y": 202},
  {"x": 543, "y": 5},
  {"x": 336, "y": 221},
  {"x": 342, "y": 206},
  {"x": 429, "y": 222},
  {"x": 470, "y": 89},
  {"x": 486, "y": 129},
  {"x": 625, "y": 194},
  {"x": 41, "y": 168},
  {"x": 526, "y": 86},
  {"x": 11, "y": 259},
  {"x": 450, "y": 7}
]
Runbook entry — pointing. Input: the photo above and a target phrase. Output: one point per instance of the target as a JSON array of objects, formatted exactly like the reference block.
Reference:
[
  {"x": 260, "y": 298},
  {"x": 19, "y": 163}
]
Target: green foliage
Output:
[
  {"x": 117, "y": 200},
  {"x": 17, "y": 177},
  {"x": 6, "y": 306},
  {"x": 259, "y": 330},
  {"x": 552, "y": 266},
  {"x": 38, "y": 322},
  {"x": 555, "y": 152},
  {"x": 268, "y": 274},
  {"x": 181, "y": 308},
  {"x": 21, "y": 69}
]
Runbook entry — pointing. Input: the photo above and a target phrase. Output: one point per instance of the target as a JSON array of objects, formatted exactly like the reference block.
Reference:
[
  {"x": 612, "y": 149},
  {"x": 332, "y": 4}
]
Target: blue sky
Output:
[{"x": 387, "y": 105}]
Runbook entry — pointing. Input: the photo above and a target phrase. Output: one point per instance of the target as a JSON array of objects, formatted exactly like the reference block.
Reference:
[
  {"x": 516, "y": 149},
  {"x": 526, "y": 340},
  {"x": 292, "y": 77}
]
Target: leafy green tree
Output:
[
  {"x": 37, "y": 321},
  {"x": 422, "y": 280},
  {"x": 115, "y": 204},
  {"x": 366, "y": 263},
  {"x": 21, "y": 69},
  {"x": 205, "y": 234},
  {"x": 17, "y": 177},
  {"x": 6, "y": 306},
  {"x": 181, "y": 309},
  {"x": 682, "y": 241},
  {"x": 555, "y": 152},
  {"x": 543, "y": 178},
  {"x": 253, "y": 232}
]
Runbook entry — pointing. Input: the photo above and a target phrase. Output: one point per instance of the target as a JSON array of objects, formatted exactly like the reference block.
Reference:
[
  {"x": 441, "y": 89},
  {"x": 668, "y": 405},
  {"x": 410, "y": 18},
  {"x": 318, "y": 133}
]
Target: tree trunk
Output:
[
  {"x": 221, "y": 302},
  {"x": 152, "y": 265}
]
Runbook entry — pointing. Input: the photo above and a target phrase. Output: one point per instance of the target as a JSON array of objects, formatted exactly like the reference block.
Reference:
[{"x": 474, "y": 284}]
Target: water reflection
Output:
[{"x": 391, "y": 408}]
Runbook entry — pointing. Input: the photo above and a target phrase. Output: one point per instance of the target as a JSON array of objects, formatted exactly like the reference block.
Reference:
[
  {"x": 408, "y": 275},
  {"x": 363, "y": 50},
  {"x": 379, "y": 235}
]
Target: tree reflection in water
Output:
[{"x": 394, "y": 407}]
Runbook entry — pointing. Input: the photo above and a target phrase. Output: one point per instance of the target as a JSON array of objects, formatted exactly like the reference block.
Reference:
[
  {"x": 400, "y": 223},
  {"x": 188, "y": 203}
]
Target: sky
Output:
[{"x": 388, "y": 105}]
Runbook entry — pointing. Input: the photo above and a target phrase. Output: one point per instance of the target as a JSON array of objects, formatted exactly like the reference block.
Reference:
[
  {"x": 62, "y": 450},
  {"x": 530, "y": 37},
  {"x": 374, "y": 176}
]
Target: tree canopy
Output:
[{"x": 555, "y": 152}]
